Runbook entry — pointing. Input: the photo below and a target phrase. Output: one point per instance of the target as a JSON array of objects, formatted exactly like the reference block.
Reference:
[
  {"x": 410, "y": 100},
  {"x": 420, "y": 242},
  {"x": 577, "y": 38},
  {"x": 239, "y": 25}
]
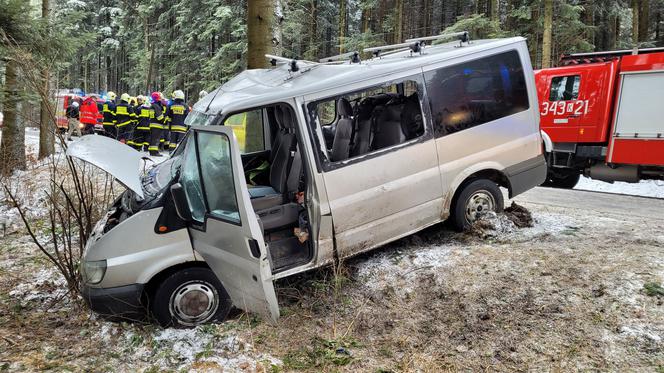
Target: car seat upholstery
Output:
[
  {"x": 271, "y": 202},
  {"x": 344, "y": 129},
  {"x": 387, "y": 131}
]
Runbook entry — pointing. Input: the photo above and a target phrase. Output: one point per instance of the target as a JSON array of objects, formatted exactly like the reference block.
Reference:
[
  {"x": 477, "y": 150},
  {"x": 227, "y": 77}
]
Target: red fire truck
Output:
[{"x": 602, "y": 115}]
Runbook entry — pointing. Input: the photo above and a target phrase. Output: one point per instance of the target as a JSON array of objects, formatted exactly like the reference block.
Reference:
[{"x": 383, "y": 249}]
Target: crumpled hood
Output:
[{"x": 112, "y": 156}]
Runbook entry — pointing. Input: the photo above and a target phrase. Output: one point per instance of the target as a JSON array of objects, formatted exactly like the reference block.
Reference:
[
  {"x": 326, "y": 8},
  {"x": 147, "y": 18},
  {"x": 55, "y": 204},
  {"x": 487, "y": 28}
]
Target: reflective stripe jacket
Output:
[
  {"x": 176, "y": 114},
  {"x": 108, "y": 110},
  {"x": 143, "y": 114},
  {"x": 156, "y": 116},
  {"x": 124, "y": 114}
]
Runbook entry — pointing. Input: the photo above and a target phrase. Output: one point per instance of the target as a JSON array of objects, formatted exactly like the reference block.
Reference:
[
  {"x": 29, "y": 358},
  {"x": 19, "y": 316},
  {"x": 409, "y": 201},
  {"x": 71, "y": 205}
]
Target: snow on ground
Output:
[{"x": 645, "y": 188}]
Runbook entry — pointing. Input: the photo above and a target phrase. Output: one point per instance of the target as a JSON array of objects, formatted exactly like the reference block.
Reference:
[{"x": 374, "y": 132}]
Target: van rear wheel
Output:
[
  {"x": 190, "y": 297},
  {"x": 476, "y": 197}
]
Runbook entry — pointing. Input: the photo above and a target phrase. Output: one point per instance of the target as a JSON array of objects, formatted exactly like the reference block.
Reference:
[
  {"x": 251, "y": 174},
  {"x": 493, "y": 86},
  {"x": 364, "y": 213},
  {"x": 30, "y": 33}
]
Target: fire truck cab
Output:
[{"x": 604, "y": 114}]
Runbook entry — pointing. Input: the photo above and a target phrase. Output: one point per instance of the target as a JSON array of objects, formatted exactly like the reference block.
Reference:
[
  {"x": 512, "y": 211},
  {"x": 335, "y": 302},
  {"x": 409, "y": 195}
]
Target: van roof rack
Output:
[
  {"x": 353, "y": 57},
  {"x": 591, "y": 57},
  {"x": 416, "y": 45}
]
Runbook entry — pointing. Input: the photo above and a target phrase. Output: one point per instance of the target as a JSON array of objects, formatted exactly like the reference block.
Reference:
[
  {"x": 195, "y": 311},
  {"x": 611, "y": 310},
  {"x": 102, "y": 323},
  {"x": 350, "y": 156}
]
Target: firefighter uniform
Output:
[
  {"x": 108, "y": 111},
  {"x": 165, "y": 134},
  {"x": 156, "y": 128},
  {"x": 141, "y": 139},
  {"x": 175, "y": 116},
  {"x": 124, "y": 117}
]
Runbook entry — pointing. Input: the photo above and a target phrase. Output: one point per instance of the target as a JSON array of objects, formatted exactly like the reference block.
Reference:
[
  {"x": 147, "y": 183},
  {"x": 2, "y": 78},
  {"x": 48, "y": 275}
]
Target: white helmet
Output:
[
  {"x": 74, "y": 104},
  {"x": 202, "y": 94},
  {"x": 111, "y": 95},
  {"x": 178, "y": 95}
]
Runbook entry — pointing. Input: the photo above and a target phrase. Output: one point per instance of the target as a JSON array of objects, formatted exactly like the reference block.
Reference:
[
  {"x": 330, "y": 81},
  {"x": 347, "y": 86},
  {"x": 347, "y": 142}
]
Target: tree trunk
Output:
[
  {"x": 313, "y": 36},
  {"x": 546, "y": 38},
  {"x": 342, "y": 24},
  {"x": 12, "y": 143},
  {"x": 398, "y": 36},
  {"x": 494, "y": 11},
  {"x": 46, "y": 125},
  {"x": 259, "y": 23},
  {"x": 644, "y": 20},
  {"x": 635, "y": 23}
]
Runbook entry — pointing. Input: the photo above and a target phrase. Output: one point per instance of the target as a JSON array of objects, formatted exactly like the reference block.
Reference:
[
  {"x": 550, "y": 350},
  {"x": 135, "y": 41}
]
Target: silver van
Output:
[{"x": 288, "y": 169}]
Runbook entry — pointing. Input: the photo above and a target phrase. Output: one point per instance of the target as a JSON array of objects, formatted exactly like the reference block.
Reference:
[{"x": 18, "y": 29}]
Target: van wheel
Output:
[
  {"x": 475, "y": 198},
  {"x": 190, "y": 297}
]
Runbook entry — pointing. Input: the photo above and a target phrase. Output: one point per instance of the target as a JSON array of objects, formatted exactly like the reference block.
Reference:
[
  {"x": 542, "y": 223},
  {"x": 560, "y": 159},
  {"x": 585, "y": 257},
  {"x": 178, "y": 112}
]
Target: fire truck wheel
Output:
[
  {"x": 190, "y": 297},
  {"x": 568, "y": 181},
  {"x": 476, "y": 197}
]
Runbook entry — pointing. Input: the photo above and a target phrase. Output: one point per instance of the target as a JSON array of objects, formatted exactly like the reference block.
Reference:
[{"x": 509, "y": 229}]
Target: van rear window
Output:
[{"x": 476, "y": 92}]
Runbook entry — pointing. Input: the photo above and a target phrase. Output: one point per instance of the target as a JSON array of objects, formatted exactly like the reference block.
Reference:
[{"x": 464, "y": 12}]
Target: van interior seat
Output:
[
  {"x": 343, "y": 132},
  {"x": 387, "y": 131},
  {"x": 271, "y": 202},
  {"x": 365, "y": 122}
]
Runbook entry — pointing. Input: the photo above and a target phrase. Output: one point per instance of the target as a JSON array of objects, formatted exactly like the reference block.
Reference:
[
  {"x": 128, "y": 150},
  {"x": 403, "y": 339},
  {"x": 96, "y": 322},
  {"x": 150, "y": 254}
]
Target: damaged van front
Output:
[{"x": 139, "y": 239}]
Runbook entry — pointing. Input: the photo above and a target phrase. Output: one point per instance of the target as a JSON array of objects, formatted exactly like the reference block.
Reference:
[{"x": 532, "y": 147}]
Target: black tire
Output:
[
  {"x": 200, "y": 288},
  {"x": 476, "y": 190},
  {"x": 562, "y": 180}
]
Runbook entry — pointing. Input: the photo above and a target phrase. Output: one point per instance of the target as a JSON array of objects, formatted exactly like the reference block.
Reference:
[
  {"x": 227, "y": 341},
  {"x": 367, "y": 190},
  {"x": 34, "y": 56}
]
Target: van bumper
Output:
[
  {"x": 526, "y": 175},
  {"x": 123, "y": 303}
]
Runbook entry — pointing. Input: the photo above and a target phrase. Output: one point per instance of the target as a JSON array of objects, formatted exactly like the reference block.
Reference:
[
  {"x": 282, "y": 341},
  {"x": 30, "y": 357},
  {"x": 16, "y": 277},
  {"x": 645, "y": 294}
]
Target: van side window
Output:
[
  {"x": 565, "y": 88},
  {"x": 248, "y": 129},
  {"x": 476, "y": 92},
  {"x": 369, "y": 120}
]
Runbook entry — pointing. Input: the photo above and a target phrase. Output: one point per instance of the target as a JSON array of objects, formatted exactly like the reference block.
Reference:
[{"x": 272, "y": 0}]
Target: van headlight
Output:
[{"x": 94, "y": 271}]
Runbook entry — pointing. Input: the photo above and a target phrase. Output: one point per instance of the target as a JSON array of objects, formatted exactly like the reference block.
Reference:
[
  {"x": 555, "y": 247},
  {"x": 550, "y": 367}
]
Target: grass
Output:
[{"x": 653, "y": 289}]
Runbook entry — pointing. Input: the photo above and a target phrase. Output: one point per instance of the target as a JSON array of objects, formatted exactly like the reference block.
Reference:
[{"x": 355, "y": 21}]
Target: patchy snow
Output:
[{"x": 645, "y": 188}]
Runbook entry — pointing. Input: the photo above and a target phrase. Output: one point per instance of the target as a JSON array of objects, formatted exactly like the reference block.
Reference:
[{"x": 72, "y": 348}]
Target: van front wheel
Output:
[
  {"x": 476, "y": 198},
  {"x": 190, "y": 297}
]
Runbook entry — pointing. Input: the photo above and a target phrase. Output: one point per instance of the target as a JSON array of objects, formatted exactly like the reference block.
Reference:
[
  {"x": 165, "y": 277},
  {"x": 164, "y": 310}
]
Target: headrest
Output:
[{"x": 343, "y": 108}]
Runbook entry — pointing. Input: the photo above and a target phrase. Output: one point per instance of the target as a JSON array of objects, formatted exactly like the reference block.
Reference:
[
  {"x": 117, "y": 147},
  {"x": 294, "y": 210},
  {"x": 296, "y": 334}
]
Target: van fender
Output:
[
  {"x": 464, "y": 175},
  {"x": 157, "y": 267},
  {"x": 546, "y": 140}
]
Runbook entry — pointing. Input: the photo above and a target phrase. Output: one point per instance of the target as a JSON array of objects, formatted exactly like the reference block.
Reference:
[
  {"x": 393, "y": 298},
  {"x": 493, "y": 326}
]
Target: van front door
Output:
[{"x": 224, "y": 228}]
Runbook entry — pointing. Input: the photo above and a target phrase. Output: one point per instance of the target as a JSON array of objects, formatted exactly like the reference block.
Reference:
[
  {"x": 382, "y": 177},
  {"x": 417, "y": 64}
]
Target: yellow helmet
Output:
[
  {"x": 111, "y": 95},
  {"x": 125, "y": 97}
]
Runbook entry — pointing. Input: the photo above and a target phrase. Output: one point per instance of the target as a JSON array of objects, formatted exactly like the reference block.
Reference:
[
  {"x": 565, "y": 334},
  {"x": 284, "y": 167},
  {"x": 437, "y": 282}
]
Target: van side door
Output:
[
  {"x": 381, "y": 183},
  {"x": 224, "y": 228}
]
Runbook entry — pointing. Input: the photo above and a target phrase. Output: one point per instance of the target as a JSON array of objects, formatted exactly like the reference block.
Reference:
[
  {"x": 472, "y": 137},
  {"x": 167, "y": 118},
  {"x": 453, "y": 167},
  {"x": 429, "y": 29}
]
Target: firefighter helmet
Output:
[
  {"x": 111, "y": 95},
  {"x": 74, "y": 104},
  {"x": 140, "y": 99},
  {"x": 178, "y": 95},
  {"x": 125, "y": 97}
]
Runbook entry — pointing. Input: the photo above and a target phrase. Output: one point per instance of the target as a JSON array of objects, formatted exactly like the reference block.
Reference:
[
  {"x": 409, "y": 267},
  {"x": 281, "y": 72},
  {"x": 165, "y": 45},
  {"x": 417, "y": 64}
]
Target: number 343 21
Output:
[{"x": 577, "y": 107}]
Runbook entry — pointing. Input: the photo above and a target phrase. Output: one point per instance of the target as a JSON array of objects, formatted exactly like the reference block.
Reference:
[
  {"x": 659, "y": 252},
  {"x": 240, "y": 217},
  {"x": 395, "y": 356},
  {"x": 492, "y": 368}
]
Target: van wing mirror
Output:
[{"x": 180, "y": 202}]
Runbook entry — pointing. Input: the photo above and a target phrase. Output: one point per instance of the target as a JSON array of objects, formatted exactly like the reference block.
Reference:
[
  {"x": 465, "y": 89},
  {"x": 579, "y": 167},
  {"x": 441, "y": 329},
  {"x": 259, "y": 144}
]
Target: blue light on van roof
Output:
[{"x": 467, "y": 71}]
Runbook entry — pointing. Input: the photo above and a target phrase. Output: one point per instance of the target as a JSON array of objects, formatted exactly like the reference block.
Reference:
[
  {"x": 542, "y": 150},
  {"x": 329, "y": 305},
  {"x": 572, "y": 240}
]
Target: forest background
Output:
[{"x": 149, "y": 45}]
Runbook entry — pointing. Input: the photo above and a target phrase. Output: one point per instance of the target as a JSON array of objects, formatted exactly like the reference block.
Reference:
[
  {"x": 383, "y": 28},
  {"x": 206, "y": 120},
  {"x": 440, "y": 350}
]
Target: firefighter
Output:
[
  {"x": 124, "y": 117},
  {"x": 108, "y": 110},
  {"x": 175, "y": 116},
  {"x": 89, "y": 114},
  {"x": 141, "y": 138},
  {"x": 166, "y": 133},
  {"x": 73, "y": 123},
  {"x": 156, "y": 123}
]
